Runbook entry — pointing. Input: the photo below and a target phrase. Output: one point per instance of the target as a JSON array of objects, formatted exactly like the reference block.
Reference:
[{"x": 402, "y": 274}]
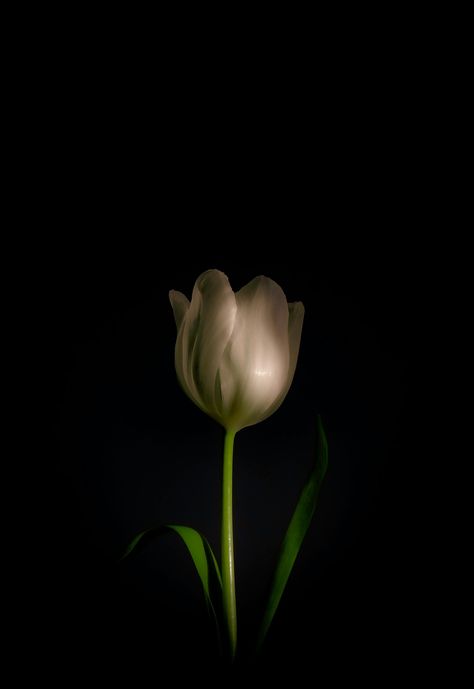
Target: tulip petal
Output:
[
  {"x": 255, "y": 365},
  {"x": 180, "y": 305},
  {"x": 217, "y": 312},
  {"x": 295, "y": 325},
  {"x": 184, "y": 347}
]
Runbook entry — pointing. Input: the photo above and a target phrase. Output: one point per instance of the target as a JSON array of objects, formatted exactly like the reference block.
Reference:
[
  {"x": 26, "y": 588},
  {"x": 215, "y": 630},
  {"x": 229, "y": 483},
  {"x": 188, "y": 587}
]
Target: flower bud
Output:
[{"x": 236, "y": 353}]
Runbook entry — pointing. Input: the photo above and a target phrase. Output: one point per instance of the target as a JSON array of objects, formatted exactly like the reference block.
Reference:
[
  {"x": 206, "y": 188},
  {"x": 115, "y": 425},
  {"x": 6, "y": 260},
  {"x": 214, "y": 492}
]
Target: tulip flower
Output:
[
  {"x": 236, "y": 353},
  {"x": 235, "y": 357}
]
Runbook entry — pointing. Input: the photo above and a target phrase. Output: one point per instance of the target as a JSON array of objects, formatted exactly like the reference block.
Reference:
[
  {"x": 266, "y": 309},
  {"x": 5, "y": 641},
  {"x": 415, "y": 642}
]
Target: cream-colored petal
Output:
[
  {"x": 215, "y": 325},
  {"x": 181, "y": 367},
  {"x": 295, "y": 326},
  {"x": 180, "y": 305},
  {"x": 187, "y": 320},
  {"x": 256, "y": 362}
]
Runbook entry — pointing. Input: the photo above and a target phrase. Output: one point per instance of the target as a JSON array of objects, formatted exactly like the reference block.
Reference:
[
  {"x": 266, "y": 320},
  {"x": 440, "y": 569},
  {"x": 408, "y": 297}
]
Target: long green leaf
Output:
[
  {"x": 201, "y": 554},
  {"x": 296, "y": 532}
]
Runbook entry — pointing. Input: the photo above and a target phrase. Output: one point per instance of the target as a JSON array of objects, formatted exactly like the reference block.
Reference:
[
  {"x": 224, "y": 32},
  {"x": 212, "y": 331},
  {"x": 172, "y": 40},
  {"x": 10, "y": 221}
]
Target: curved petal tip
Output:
[{"x": 180, "y": 305}]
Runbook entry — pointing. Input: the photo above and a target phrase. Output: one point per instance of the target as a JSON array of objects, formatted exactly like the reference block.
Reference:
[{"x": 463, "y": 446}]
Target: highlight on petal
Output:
[
  {"x": 295, "y": 325},
  {"x": 256, "y": 363}
]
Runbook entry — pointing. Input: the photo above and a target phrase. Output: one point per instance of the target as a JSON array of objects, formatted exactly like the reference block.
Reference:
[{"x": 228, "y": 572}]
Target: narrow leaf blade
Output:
[
  {"x": 296, "y": 532},
  {"x": 201, "y": 554}
]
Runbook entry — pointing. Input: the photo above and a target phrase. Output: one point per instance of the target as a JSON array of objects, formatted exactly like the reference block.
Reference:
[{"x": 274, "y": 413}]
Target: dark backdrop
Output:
[
  {"x": 127, "y": 449},
  {"x": 139, "y": 190}
]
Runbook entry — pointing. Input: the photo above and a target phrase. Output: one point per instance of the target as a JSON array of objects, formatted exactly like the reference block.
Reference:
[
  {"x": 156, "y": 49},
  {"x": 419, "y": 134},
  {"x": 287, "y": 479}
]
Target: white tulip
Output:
[{"x": 236, "y": 353}]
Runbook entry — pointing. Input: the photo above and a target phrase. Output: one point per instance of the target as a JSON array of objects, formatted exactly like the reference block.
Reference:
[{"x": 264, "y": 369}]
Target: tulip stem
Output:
[{"x": 227, "y": 545}]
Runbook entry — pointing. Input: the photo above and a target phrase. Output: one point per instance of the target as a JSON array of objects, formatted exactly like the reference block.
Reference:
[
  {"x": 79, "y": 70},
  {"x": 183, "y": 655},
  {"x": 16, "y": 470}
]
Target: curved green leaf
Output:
[
  {"x": 201, "y": 554},
  {"x": 296, "y": 532}
]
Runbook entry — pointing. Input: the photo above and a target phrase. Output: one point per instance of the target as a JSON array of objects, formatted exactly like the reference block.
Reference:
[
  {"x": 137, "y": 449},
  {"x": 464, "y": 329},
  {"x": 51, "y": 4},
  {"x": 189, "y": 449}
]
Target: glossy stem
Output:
[{"x": 227, "y": 546}]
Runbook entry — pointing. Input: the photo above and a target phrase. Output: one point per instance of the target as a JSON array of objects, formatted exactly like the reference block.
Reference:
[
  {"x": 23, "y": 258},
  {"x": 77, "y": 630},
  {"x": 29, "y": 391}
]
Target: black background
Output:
[
  {"x": 128, "y": 450},
  {"x": 140, "y": 193}
]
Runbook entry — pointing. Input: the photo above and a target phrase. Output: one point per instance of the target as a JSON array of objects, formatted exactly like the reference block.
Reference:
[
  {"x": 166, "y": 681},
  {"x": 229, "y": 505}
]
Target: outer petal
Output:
[
  {"x": 295, "y": 325},
  {"x": 256, "y": 363},
  {"x": 184, "y": 343},
  {"x": 180, "y": 305},
  {"x": 217, "y": 312}
]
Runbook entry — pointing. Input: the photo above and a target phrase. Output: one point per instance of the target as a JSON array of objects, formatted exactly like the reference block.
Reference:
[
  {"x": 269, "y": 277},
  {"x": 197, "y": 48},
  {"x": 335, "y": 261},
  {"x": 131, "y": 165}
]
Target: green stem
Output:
[{"x": 227, "y": 545}]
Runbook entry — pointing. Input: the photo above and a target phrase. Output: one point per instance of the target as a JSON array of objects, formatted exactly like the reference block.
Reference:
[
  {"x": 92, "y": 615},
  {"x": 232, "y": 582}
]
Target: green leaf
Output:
[
  {"x": 201, "y": 554},
  {"x": 296, "y": 532}
]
